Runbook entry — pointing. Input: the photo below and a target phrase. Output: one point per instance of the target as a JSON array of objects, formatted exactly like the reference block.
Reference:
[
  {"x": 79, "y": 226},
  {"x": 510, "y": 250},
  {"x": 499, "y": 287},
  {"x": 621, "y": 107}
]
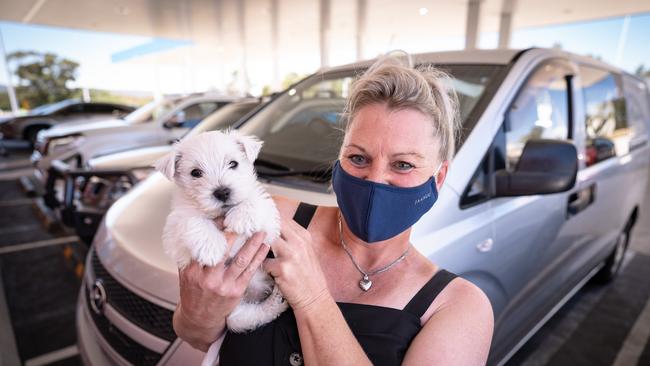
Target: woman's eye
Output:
[
  {"x": 402, "y": 165},
  {"x": 196, "y": 173},
  {"x": 233, "y": 164},
  {"x": 357, "y": 159}
]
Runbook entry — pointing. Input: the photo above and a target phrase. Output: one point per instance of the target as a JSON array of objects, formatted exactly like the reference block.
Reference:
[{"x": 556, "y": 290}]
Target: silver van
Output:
[{"x": 541, "y": 196}]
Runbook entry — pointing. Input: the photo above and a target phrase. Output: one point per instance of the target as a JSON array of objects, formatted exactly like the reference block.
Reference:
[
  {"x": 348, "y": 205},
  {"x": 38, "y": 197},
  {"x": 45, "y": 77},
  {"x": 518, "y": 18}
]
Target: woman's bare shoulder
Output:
[
  {"x": 459, "y": 294},
  {"x": 459, "y": 328}
]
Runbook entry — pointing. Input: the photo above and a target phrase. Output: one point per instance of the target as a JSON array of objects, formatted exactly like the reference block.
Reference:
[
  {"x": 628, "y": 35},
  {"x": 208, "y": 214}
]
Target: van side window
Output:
[
  {"x": 540, "y": 110},
  {"x": 637, "y": 101},
  {"x": 479, "y": 188},
  {"x": 606, "y": 124}
]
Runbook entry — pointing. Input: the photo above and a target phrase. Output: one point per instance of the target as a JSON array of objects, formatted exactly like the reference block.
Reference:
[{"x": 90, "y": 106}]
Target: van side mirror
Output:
[
  {"x": 175, "y": 121},
  {"x": 545, "y": 166}
]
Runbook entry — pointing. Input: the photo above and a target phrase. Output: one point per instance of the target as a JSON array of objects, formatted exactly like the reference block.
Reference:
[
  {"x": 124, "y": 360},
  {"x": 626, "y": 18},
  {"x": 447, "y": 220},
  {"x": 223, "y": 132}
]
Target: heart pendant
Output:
[{"x": 365, "y": 283}]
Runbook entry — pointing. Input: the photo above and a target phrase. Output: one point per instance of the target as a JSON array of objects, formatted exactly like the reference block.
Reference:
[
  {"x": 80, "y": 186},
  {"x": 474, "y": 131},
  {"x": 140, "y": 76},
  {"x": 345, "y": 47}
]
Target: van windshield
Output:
[
  {"x": 151, "y": 111},
  {"x": 302, "y": 128}
]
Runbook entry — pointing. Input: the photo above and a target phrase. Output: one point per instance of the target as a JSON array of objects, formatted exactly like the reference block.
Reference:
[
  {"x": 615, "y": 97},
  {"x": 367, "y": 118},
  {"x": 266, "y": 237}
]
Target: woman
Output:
[{"x": 359, "y": 292}]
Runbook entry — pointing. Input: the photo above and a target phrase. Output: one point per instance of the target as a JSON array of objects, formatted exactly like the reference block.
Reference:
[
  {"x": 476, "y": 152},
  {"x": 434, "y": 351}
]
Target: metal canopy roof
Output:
[
  {"x": 186, "y": 19},
  {"x": 270, "y": 38}
]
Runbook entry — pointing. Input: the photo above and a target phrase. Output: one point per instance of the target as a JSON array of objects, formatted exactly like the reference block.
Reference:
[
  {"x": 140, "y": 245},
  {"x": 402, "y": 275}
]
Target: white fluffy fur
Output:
[{"x": 190, "y": 232}]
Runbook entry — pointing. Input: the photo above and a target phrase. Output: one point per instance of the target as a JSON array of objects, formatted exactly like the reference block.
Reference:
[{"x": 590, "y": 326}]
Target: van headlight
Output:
[
  {"x": 61, "y": 143},
  {"x": 101, "y": 190}
]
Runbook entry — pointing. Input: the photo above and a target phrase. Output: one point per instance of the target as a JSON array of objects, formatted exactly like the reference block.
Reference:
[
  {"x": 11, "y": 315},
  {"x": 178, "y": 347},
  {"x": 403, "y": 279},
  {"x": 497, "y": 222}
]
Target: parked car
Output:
[
  {"x": 28, "y": 126},
  {"x": 531, "y": 209},
  {"x": 76, "y": 144},
  {"x": 82, "y": 195}
]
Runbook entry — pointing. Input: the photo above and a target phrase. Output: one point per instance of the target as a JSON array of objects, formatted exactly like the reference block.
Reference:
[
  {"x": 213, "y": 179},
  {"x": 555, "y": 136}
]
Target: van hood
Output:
[
  {"x": 129, "y": 240},
  {"x": 71, "y": 128},
  {"x": 129, "y": 159}
]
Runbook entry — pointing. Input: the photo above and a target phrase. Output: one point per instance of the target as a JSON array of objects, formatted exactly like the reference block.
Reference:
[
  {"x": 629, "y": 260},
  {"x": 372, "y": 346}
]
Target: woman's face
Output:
[{"x": 395, "y": 147}]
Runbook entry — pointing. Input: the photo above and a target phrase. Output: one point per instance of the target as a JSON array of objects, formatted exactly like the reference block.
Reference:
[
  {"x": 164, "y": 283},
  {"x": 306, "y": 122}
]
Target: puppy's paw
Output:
[
  {"x": 242, "y": 220},
  {"x": 183, "y": 262},
  {"x": 210, "y": 253}
]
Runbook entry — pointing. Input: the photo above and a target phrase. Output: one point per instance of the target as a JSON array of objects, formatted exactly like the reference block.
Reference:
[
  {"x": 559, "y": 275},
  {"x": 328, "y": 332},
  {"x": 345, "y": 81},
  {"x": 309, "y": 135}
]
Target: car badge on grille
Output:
[{"x": 97, "y": 297}]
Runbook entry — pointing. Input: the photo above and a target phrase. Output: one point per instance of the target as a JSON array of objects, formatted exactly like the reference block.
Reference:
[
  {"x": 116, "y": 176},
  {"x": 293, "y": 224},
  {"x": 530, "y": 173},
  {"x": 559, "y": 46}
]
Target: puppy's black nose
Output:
[{"x": 222, "y": 194}]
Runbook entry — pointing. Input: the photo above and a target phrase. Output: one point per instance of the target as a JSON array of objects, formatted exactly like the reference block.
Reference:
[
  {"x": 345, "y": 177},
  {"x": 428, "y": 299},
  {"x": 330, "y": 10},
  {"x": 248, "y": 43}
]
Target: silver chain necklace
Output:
[{"x": 365, "y": 283}]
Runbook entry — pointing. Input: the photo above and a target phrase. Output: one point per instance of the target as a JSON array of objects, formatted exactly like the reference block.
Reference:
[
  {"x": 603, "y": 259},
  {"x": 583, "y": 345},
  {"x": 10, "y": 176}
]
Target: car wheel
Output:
[
  {"x": 31, "y": 133},
  {"x": 615, "y": 260}
]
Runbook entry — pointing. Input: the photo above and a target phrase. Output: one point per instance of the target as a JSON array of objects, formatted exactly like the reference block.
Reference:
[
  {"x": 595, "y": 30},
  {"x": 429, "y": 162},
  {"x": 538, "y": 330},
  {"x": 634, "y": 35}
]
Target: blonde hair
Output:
[{"x": 393, "y": 80}]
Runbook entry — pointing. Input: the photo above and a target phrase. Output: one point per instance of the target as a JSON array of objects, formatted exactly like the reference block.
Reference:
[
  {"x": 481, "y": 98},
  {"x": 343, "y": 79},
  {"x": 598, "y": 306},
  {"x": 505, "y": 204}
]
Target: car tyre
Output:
[
  {"x": 31, "y": 133},
  {"x": 613, "y": 263}
]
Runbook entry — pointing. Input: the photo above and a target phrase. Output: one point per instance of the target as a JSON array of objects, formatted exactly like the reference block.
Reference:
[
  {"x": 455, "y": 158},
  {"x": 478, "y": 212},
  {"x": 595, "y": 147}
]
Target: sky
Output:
[{"x": 94, "y": 50}]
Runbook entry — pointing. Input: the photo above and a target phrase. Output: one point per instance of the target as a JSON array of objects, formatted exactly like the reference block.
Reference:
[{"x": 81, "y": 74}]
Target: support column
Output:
[
  {"x": 362, "y": 11},
  {"x": 221, "y": 50},
  {"x": 325, "y": 11},
  {"x": 472, "y": 26},
  {"x": 10, "y": 85},
  {"x": 621, "y": 41},
  {"x": 505, "y": 23},
  {"x": 241, "y": 18},
  {"x": 274, "y": 45}
]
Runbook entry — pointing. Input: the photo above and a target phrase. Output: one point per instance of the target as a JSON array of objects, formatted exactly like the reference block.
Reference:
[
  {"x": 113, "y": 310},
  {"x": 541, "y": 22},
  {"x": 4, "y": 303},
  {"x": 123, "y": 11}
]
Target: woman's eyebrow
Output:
[
  {"x": 418, "y": 155},
  {"x": 412, "y": 153},
  {"x": 357, "y": 146}
]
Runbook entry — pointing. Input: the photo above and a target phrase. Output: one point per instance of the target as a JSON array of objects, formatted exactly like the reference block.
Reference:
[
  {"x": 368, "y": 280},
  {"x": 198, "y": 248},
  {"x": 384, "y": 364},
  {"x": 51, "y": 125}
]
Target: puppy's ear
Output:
[
  {"x": 250, "y": 145},
  {"x": 168, "y": 163}
]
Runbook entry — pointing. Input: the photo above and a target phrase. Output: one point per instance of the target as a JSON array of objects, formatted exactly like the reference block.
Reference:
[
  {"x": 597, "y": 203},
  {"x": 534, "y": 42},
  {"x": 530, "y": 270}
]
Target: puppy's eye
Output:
[
  {"x": 196, "y": 173},
  {"x": 233, "y": 164}
]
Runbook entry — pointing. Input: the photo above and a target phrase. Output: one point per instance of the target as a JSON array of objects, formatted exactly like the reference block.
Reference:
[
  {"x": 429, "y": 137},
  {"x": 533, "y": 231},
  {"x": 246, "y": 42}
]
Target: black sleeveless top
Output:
[{"x": 384, "y": 333}]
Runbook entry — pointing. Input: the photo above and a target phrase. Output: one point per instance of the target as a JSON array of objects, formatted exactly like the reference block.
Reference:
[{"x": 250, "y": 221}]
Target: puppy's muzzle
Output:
[{"x": 222, "y": 194}]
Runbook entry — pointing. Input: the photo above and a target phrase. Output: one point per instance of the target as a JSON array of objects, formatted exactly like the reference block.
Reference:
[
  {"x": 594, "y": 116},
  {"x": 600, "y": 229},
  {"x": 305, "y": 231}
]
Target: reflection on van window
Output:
[
  {"x": 151, "y": 111},
  {"x": 191, "y": 115},
  {"x": 605, "y": 121},
  {"x": 302, "y": 128},
  {"x": 637, "y": 101},
  {"x": 539, "y": 112}
]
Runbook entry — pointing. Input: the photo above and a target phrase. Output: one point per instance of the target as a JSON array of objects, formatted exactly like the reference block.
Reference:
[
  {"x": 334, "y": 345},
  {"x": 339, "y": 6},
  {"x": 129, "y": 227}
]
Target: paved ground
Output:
[{"x": 40, "y": 276}]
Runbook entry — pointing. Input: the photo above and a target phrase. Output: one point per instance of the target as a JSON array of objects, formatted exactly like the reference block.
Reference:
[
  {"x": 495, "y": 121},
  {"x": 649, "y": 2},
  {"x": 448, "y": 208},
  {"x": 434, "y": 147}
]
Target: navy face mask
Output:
[{"x": 376, "y": 211}]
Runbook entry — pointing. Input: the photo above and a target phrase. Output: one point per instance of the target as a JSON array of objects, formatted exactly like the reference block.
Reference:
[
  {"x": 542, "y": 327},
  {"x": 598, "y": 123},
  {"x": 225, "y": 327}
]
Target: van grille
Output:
[
  {"x": 151, "y": 318},
  {"x": 126, "y": 347}
]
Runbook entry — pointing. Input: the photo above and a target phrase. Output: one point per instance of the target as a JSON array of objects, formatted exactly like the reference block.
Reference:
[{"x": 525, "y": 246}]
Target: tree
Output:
[
  {"x": 43, "y": 77},
  {"x": 642, "y": 71}
]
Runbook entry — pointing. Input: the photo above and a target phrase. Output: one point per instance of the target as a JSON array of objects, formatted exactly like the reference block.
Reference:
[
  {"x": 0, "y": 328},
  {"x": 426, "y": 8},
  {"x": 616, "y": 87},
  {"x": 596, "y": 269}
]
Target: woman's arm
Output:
[
  {"x": 209, "y": 294},
  {"x": 325, "y": 337},
  {"x": 459, "y": 332}
]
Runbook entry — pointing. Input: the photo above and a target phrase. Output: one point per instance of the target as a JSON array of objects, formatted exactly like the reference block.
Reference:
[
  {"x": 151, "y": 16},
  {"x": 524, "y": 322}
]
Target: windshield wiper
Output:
[
  {"x": 278, "y": 171},
  {"x": 320, "y": 176},
  {"x": 271, "y": 165}
]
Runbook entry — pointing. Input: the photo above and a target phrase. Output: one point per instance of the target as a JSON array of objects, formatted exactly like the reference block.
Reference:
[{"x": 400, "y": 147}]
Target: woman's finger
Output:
[
  {"x": 219, "y": 221},
  {"x": 191, "y": 270},
  {"x": 280, "y": 247},
  {"x": 259, "y": 257},
  {"x": 270, "y": 265},
  {"x": 245, "y": 255},
  {"x": 230, "y": 237}
]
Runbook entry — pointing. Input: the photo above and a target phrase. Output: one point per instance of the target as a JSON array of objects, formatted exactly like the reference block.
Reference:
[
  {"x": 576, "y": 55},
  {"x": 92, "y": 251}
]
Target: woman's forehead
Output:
[{"x": 375, "y": 127}]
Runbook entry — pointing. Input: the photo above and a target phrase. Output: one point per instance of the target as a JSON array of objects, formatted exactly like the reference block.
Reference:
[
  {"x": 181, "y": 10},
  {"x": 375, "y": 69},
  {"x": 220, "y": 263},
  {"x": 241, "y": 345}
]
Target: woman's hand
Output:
[
  {"x": 209, "y": 294},
  {"x": 296, "y": 268}
]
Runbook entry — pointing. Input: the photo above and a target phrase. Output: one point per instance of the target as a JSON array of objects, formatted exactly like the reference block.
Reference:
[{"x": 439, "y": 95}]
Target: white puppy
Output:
[{"x": 214, "y": 177}]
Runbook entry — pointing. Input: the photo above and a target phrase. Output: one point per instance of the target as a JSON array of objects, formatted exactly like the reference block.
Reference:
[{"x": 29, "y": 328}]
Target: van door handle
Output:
[{"x": 580, "y": 200}]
